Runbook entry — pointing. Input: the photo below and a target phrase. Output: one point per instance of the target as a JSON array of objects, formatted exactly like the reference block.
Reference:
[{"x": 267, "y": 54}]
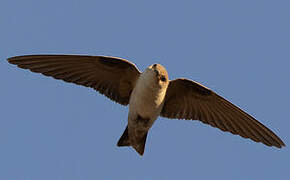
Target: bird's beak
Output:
[{"x": 156, "y": 72}]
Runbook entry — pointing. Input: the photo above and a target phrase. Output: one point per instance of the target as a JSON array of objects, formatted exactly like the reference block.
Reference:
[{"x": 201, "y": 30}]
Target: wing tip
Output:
[
  {"x": 281, "y": 144},
  {"x": 278, "y": 143},
  {"x": 15, "y": 59},
  {"x": 11, "y": 60}
]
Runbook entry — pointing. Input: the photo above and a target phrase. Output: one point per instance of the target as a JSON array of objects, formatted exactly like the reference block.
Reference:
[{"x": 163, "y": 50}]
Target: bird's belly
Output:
[
  {"x": 146, "y": 102},
  {"x": 145, "y": 106}
]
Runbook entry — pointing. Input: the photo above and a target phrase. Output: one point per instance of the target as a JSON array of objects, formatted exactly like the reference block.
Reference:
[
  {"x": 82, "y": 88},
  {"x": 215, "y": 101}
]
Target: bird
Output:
[{"x": 149, "y": 94}]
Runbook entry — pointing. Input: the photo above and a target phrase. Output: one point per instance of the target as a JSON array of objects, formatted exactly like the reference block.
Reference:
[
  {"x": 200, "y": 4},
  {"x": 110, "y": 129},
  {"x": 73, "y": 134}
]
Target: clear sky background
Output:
[{"x": 52, "y": 130}]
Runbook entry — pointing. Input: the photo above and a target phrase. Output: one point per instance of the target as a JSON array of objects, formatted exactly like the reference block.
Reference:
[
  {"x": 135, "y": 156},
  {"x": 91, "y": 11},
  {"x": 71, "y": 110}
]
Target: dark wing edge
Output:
[
  {"x": 111, "y": 76},
  {"x": 186, "y": 99}
]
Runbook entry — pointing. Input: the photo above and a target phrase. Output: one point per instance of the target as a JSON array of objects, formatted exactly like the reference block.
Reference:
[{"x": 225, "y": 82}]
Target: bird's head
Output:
[{"x": 158, "y": 74}]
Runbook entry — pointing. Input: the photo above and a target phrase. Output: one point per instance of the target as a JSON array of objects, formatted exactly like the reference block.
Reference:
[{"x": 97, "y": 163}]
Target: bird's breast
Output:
[{"x": 147, "y": 98}]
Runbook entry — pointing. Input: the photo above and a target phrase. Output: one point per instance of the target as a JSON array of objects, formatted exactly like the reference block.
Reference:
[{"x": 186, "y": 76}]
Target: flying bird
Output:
[{"x": 149, "y": 94}]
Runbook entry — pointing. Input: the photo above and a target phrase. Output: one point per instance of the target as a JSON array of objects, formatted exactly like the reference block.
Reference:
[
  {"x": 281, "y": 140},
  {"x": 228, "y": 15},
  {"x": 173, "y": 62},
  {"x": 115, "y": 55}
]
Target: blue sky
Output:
[{"x": 54, "y": 130}]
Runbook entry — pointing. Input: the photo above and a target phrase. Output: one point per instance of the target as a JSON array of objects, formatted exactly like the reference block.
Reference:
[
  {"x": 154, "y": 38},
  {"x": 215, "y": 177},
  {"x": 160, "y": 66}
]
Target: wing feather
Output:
[
  {"x": 111, "y": 76},
  {"x": 203, "y": 104}
]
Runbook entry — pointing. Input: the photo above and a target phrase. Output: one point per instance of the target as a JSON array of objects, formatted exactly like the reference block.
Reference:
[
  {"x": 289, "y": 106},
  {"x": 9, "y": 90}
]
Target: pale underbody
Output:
[{"x": 145, "y": 105}]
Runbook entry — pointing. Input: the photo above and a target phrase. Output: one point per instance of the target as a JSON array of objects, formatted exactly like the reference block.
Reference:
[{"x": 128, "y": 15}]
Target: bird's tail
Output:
[
  {"x": 139, "y": 146},
  {"x": 124, "y": 139}
]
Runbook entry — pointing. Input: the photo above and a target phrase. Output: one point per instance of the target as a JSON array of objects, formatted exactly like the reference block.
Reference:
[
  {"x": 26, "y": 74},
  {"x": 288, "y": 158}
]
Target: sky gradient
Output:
[{"x": 50, "y": 129}]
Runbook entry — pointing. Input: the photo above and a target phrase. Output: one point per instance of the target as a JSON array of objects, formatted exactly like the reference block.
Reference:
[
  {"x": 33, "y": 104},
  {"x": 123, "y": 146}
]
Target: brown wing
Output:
[
  {"x": 186, "y": 99},
  {"x": 111, "y": 76}
]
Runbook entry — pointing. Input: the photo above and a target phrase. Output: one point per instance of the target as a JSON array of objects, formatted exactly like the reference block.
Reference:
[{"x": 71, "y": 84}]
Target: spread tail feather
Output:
[
  {"x": 139, "y": 145},
  {"x": 124, "y": 139}
]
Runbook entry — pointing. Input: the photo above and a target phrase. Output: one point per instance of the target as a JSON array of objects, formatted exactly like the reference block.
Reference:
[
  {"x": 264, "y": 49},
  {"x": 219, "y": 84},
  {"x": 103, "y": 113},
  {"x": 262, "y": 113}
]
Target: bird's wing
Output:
[
  {"x": 186, "y": 99},
  {"x": 111, "y": 76}
]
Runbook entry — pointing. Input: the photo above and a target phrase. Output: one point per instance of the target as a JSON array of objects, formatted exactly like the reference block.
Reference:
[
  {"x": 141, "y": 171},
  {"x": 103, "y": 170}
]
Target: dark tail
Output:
[
  {"x": 124, "y": 140},
  {"x": 139, "y": 146}
]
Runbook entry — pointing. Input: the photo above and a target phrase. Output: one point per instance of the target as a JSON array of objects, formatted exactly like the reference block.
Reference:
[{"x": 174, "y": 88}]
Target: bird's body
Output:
[
  {"x": 149, "y": 94},
  {"x": 145, "y": 105}
]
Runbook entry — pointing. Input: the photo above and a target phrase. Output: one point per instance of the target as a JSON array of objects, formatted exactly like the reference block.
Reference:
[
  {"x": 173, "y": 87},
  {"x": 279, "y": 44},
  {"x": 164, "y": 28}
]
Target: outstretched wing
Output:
[
  {"x": 186, "y": 99},
  {"x": 111, "y": 76}
]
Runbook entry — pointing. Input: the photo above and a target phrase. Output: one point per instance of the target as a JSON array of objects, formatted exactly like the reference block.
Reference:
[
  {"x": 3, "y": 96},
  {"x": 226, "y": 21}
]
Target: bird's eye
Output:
[{"x": 163, "y": 78}]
